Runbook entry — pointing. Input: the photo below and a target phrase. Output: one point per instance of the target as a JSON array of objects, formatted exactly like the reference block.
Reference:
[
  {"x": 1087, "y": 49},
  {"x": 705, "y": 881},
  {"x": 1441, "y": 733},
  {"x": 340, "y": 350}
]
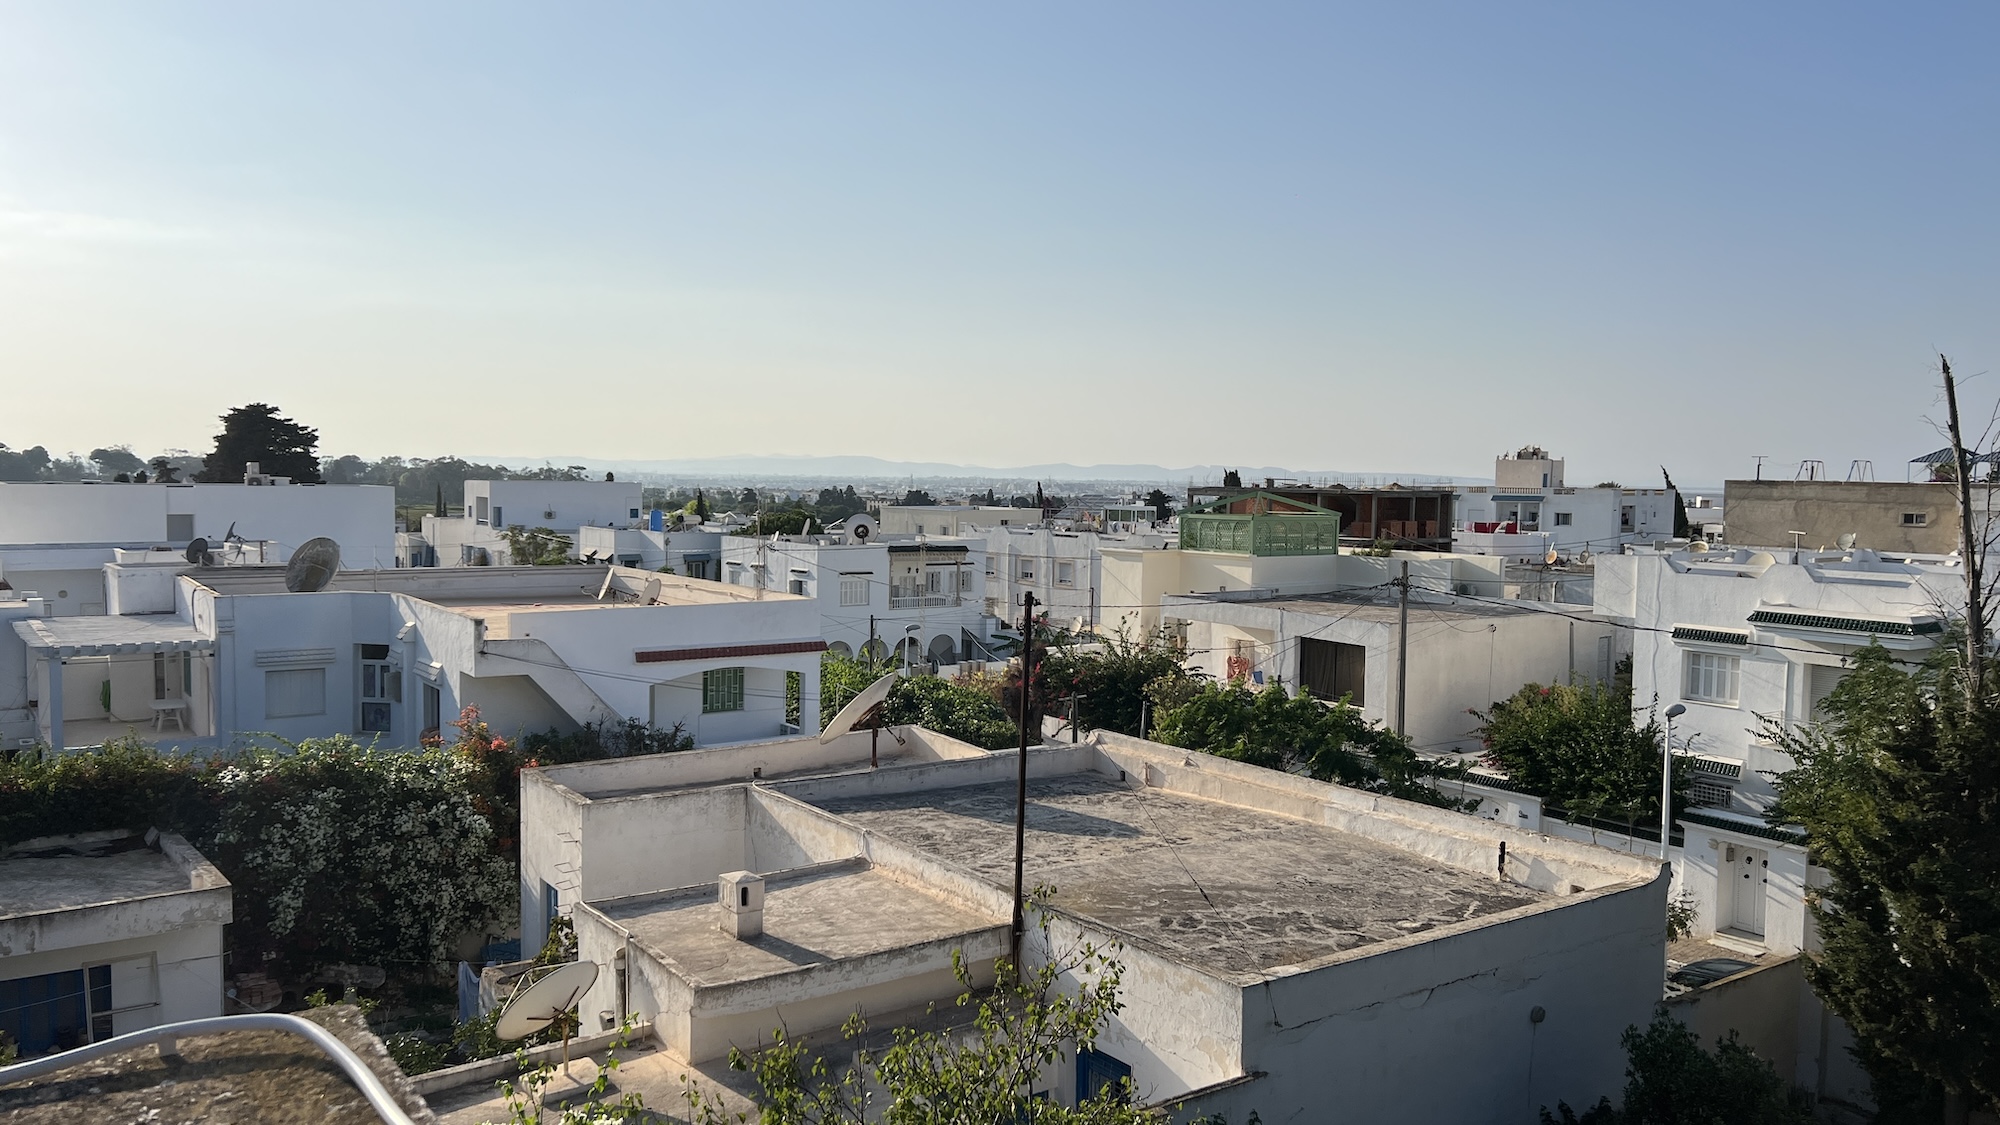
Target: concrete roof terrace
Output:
[
  {"x": 810, "y": 917},
  {"x": 470, "y": 590},
  {"x": 1375, "y": 605},
  {"x": 1238, "y": 891}
]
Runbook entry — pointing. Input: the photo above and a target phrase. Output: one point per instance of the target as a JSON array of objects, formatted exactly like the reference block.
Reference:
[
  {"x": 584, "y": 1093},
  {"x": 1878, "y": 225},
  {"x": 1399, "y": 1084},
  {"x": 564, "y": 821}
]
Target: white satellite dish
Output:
[
  {"x": 313, "y": 565},
  {"x": 652, "y": 594},
  {"x": 865, "y": 705},
  {"x": 1846, "y": 540},
  {"x": 1550, "y": 558},
  {"x": 547, "y": 1000}
]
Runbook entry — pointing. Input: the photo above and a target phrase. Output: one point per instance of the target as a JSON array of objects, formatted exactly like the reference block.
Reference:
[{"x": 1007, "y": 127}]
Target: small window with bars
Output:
[{"x": 721, "y": 690}]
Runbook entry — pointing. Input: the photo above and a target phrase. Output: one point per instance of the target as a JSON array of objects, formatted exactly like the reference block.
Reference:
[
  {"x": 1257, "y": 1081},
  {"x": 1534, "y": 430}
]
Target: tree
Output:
[
  {"x": 1231, "y": 479},
  {"x": 918, "y": 498},
  {"x": 1163, "y": 505},
  {"x": 836, "y": 504},
  {"x": 986, "y": 1072},
  {"x": 700, "y": 506},
  {"x": 27, "y": 464},
  {"x": 1682, "y": 528},
  {"x": 747, "y": 502},
  {"x": 1110, "y": 686},
  {"x": 1899, "y": 792},
  {"x": 257, "y": 432},
  {"x": 347, "y": 469},
  {"x": 116, "y": 459},
  {"x": 164, "y": 472},
  {"x": 537, "y": 546},
  {"x": 1276, "y": 730},
  {"x": 1577, "y": 746},
  {"x": 1672, "y": 1080},
  {"x": 965, "y": 711}
]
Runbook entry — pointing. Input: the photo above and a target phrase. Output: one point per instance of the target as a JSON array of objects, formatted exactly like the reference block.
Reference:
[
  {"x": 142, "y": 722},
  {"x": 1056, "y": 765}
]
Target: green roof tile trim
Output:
[
  {"x": 1847, "y": 624},
  {"x": 1712, "y": 636},
  {"x": 1782, "y": 833}
]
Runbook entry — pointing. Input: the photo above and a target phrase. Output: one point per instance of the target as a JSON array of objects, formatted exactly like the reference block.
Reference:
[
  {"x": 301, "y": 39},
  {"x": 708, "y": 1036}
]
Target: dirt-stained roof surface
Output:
[
  {"x": 1233, "y": 890},
  {"x": 238, "y": 1078}
]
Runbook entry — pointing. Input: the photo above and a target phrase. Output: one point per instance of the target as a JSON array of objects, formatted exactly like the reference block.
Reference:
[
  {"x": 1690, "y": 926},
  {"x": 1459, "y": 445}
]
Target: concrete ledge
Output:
[{"x": 499, "y": 1068}]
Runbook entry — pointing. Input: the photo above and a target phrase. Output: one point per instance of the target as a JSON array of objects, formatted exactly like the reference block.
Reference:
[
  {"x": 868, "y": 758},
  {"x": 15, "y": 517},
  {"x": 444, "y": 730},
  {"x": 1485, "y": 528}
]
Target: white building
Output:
[
  {"x": 212, "y": 655},
  {"x": 954, "y": 519},
  {"x": 1462, "y": 653},
  {"x": 1529, "y": 512},
  {"x": 921, "y": 598},
  {"x": 1321, "y": 944},
  {"x": 103, "y": 933},
  {"x": 1063, "y": 569},
  {"x": 473, "y": 537},
  {"x": 56, "y": 538}
]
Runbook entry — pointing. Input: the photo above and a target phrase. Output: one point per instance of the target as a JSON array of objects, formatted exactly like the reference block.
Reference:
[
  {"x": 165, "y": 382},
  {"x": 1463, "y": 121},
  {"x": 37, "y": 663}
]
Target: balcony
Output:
[{"x": 912, "y": 599}]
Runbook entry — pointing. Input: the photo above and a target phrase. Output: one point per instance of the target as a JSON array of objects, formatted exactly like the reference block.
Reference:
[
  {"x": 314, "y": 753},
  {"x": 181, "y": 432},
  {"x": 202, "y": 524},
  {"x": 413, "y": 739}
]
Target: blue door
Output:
[{"x": 43, "y": 1013}]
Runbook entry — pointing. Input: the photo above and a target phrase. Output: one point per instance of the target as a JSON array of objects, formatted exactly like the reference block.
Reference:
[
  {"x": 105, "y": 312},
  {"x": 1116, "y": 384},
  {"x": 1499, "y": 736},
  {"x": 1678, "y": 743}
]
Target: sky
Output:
[{"x": 1395, "y": 237}]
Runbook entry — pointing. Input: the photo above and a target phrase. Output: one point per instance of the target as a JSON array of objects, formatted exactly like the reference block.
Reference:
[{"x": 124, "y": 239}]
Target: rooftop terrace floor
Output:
[
  {"x": 811, "y": 917},
  {"x": 1233, "y": 890},
  {"x": 31, "y": 884}
]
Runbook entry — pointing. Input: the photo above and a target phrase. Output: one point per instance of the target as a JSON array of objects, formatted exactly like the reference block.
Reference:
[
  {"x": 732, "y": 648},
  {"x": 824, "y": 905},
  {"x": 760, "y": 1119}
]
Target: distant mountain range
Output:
[{"x": 849, "y": 468}]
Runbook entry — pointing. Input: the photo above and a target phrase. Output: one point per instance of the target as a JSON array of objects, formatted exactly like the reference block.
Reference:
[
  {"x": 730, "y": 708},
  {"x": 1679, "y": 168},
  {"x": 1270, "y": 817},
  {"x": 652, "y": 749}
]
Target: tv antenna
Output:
[
  {"x": 1760, "y": 458},
  {"x": 865, "y": 707},
  {"x": 548, "y": 1000},
  {"x": 313, "y": 565}
]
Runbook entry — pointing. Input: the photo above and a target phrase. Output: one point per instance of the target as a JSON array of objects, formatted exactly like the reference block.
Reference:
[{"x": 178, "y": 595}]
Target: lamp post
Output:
[{"x": 1667, "y": 778}]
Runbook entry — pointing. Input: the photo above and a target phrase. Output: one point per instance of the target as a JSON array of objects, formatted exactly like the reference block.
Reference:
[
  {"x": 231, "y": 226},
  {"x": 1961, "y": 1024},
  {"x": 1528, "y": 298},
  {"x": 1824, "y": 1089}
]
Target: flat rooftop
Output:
[
  {"x": 67, "y": 875},
  {"x": 1358, "y": 605},
  {"x": 500, "y": 589},
  {"x": 111, "y": 634},
  {"x": 812, "y": 916},
  {"x": 1236, "y": 891}
]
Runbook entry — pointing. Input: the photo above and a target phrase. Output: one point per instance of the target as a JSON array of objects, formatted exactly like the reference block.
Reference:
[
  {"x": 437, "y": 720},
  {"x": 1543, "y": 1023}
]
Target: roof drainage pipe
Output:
[{"x": 167, "y": 1034}]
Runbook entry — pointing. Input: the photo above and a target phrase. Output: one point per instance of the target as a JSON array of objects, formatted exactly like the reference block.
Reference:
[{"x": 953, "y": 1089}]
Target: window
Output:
[
  {"x": 634, "y": 513},
  {"x": 1625, "y": 515},
  {"x": 1027, "y": 570},
  {"x": 1916, "y": 519},
  {"x": 1562, "y": 519},
  {"x": 1712, "y": 677},
  {"x": 379, "y": 687},
  {"x": 291, "y": 693},
  {"x": 1330, "y": 670},
  {"x": 433, "y": 708},
  {"x": 479, "y": 510},
  {"x": 798, "y": 586},
  {"x": 499, "y": 520},
  {"x": 854, "y": 589},
  {"x": 1065, "y": 574},
  {"x": 721, "y": 690},
  {"x": 1096, "y": 1072},
  {"x": 180, "y": 529},
  {"x": 934, "y": 581},
  {"x": 1821, "y": 679}
]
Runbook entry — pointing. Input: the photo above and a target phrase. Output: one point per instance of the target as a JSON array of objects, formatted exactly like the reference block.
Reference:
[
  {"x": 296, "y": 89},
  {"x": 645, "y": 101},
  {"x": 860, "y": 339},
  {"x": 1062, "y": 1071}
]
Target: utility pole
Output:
[
  {"x": 1403, "y": 650},
  {"x": 1969, "y": 546},
  {"x": 871, "y": 639},
  {"x": 1021, "y": 779}
]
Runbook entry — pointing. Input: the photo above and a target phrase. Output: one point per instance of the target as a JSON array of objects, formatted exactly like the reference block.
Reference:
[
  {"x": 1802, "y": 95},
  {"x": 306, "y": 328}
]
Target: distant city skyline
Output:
[{"x": 1162, "y": 234}]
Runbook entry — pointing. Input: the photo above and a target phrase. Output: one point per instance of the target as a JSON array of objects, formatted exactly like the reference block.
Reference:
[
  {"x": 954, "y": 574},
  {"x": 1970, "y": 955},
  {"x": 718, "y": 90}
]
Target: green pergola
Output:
[{"x": 1267, "y": 525}]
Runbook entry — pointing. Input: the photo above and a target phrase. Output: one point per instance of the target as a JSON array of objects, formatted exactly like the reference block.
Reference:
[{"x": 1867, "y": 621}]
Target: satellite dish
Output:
[
  {"x": 313, "y": 565},
  {"x": 652, "y": 594},
  {"x": 1550, "y": 558},
  {"x": 860, "y": 532},
  {"x": 1846, "y": 541},
  {"x": 230, "y": 535},
  {"x": 547, "y": 1000},
  {"x": 197, "y": 552},
  {"x": 864, "y": 707}
]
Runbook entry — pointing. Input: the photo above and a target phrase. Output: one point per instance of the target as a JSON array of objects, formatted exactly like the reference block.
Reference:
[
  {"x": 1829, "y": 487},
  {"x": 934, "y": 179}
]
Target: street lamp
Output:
[{"x": 1667, "y": 777}]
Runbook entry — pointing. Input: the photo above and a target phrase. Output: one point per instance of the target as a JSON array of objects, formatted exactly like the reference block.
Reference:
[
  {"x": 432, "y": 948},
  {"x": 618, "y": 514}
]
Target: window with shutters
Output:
[
  {"x": 1821, "y": 679},
  {"x": 292, "y": 693},
  {"x": 1712, "y": 678},
  {"x": 722, "y": 690},
  {"x": 854, "y": 589}
]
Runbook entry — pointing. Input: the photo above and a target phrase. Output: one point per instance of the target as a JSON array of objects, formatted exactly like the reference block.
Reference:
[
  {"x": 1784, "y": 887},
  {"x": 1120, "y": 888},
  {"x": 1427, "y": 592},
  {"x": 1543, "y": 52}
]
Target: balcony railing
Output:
[{"x": 901, "y": 599}]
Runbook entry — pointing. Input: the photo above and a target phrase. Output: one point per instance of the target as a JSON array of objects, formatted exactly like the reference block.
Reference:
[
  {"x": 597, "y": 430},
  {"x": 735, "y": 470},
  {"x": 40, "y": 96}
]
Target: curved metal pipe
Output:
[{"x": 165, "y": 1035}]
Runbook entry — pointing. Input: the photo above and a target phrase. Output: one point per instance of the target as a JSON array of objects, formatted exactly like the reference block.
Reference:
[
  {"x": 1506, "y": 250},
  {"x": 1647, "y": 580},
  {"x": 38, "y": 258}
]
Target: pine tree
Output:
[
  {"x": 1899, "y": 792},
  {"x": 257, "y": 432},
  {"x": 1682, "y": 528}
]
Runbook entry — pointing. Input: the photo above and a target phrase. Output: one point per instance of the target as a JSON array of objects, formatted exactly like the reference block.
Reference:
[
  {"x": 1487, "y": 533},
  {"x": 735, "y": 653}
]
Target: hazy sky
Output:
[{"x": 1401, "y": 238}]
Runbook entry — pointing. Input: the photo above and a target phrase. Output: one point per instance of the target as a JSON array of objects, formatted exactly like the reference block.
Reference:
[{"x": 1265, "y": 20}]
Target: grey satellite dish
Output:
[
  {"x": 313, "y": 565},
  {"x": 865, "y": 707},
  {"x": 860, "y": 531},
  {"x": 197, "y": 552},
  {"x": 547, "y": 1000}
]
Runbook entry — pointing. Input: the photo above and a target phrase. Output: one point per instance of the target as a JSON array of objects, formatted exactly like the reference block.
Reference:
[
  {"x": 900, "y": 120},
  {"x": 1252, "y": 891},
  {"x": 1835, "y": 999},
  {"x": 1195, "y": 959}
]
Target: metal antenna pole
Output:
[
  {"x": 1021, "y": 779},
  {"x": 1971, "y": 548},
  {"x": 1403, "y": 650}
]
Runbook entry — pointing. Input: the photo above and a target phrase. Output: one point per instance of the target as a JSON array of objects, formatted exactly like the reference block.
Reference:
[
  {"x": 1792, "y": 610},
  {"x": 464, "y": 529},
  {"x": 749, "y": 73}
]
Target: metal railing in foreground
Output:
[{"x": 168, "y": 1034}]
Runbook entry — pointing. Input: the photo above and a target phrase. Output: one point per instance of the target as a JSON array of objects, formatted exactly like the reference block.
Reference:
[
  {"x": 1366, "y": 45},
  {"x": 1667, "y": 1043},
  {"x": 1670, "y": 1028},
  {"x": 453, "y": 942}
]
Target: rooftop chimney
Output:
[{"x": 741, "y": 895}]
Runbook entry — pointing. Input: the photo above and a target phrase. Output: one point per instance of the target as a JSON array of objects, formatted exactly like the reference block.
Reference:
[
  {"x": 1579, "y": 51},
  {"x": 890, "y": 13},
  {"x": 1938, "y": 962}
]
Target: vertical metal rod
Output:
[
  {"x": 1972, "y": 549},
  {"x": 1021, "y": 780},
  {"x": 1666, "y": 790},
  {"x": 1403, "y": 651}
]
